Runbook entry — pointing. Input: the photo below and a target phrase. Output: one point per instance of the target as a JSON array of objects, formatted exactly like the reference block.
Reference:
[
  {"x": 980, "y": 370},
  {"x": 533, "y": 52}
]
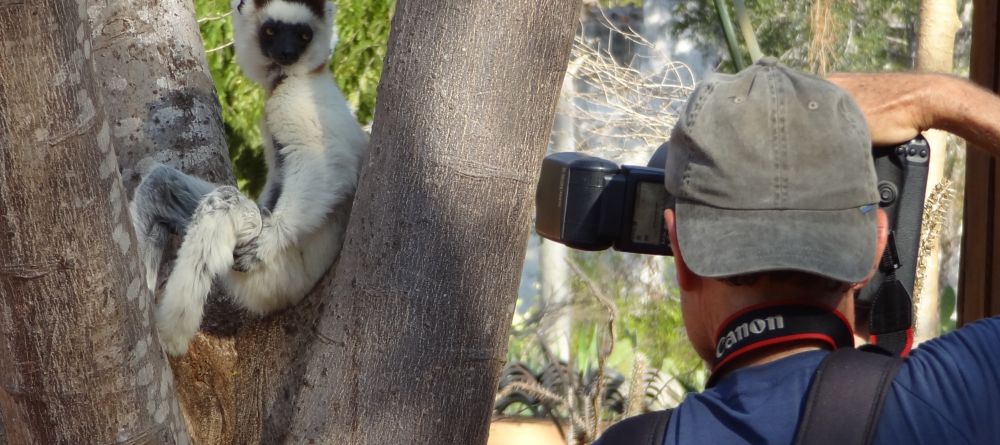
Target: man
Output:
[{"x": 776, "y": 206}]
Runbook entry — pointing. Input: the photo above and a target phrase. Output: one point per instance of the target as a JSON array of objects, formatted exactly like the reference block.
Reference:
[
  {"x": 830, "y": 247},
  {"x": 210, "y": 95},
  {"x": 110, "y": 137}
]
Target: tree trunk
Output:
[
  {"x": 150, "y": 60},
  {"x": 79, "y": 362},
  {"x": 413, "y": 339},
  {"x": 935, "y": 52}
]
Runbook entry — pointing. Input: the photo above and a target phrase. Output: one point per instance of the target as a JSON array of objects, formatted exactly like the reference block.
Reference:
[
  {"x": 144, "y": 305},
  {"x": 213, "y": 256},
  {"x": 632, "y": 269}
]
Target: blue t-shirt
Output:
[{"x": 946, "y": 392}]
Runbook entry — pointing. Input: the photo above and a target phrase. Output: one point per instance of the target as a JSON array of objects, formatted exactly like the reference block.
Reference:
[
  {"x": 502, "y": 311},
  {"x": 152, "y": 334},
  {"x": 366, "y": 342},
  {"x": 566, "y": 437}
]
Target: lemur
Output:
[{"x": 267, "y": 254}]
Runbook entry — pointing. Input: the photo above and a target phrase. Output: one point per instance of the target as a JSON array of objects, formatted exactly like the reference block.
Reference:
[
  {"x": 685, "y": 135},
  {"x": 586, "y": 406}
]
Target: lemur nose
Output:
[{"x": 288, "y": 55}]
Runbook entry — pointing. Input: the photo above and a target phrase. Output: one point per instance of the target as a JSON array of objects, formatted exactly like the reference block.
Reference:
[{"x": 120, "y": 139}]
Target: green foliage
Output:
[
  {"x": 242, "y": 100},
  {"x": 947, "y": 309},
  {"x": 863, "y": 34},
  {"x": 363, "y": 30},
  {"x": 648, "y": 319}
]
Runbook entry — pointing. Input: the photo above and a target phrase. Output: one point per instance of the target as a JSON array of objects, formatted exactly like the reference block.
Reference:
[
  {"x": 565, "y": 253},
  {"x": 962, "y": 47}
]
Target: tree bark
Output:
[
  {"x": 151, "y": 64},
  {"x": 150, "y": 61},
  {"x": 935, "y": 53},
  {"x": 79, "y": 362},
  {"x": 414, "y": 336}
]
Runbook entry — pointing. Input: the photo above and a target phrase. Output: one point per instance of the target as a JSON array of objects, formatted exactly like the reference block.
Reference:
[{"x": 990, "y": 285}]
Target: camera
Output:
[{"x": 589, "y": 203}]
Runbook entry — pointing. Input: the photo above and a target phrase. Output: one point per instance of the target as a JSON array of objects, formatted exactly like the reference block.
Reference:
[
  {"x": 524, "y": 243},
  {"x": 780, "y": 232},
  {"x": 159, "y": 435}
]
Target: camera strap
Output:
[
  {"x": 782, "y": 322},
  {"x": 891, "y": 315}
]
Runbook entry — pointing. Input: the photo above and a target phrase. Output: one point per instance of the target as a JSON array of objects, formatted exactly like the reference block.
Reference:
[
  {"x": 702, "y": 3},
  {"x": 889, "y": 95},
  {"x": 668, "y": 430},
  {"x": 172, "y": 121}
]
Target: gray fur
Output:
[
  {"x": 163, "y": 204},
  {"x": 270, "y": 197}
]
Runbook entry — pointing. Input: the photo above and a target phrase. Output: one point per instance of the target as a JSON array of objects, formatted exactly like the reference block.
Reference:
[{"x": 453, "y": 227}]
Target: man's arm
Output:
[{"x": 897, "y": 106}]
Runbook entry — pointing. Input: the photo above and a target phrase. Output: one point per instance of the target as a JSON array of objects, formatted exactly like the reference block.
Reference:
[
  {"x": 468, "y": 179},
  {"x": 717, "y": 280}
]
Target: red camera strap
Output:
[{"x": 776, "y": 323}]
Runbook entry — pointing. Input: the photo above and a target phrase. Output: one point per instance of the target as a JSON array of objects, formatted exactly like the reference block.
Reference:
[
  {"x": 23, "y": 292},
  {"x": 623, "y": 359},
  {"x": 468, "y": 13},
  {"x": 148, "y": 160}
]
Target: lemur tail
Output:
[{"x": 223, "y": 218}]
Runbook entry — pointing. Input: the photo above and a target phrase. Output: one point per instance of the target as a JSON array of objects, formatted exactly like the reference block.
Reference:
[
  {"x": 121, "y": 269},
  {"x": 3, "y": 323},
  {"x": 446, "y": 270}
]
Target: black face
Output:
[{"x": 284, "y": 42}]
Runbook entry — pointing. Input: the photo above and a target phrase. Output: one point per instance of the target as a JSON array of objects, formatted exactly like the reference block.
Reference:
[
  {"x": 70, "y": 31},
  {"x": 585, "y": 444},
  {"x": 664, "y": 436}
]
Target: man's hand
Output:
[
  {"x": 891, "y": 104},
  {"x": 897, "y": 106}
]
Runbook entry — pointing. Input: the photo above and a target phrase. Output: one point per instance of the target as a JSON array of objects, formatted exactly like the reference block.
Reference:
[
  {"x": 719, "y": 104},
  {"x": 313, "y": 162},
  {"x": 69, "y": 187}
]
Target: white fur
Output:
[
  {"x": 323, "y": 147},
  {"x": 287, "y": 12},
  {"x": 226, "y": 218}
]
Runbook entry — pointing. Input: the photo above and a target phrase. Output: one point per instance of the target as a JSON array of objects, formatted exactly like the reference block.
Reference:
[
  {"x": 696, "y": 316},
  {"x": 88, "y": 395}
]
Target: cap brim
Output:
[{"x": 838, "y": 244}]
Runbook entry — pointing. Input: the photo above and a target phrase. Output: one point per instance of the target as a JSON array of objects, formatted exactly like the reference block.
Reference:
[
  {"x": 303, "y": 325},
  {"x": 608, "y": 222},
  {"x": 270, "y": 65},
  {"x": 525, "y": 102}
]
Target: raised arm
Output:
[{"x": 900, "y": 105}]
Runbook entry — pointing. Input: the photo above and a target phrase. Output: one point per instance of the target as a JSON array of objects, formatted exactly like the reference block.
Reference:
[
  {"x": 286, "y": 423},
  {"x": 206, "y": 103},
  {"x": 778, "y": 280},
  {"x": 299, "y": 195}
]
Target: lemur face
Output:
[
  {"x": 281, "y": 36},
  {"x": 284, "y": 42}
]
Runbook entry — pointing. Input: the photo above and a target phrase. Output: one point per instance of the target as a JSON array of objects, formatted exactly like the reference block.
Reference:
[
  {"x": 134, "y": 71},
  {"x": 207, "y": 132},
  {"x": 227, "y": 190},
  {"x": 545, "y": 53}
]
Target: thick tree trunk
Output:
[
  {"x": 79, "y": 362},
  {"x": 410, "y": 345},
  {"x": 151, "y": 63},
  {"x": 935, "y": 53},
  {"x": 150, "y": 60}
]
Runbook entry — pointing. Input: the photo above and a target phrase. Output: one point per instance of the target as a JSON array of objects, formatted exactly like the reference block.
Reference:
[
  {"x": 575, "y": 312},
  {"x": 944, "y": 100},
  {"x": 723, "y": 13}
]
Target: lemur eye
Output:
[
  {"x": 306, "y": 36},
  {"x": 269, "y": 31}
]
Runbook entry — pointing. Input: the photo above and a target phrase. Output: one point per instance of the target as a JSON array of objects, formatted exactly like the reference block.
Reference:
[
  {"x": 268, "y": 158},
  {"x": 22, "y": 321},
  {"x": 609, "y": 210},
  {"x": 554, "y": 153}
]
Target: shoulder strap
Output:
[
  {"x": 644, "y": 429},
  {"x": 845, "y": 398}
]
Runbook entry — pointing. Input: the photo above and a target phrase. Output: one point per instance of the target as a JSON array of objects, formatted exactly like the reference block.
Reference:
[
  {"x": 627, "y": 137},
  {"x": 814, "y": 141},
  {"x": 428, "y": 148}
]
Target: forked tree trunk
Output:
[
  {"x": 935, "y": 53},
  {"x": 79, "y": 362},
  {"x": 411, "y": 343}
]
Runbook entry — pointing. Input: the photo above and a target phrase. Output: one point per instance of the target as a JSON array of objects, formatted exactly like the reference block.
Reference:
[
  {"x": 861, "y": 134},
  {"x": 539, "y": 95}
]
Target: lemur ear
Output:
[{"x": 237, "y": 5}]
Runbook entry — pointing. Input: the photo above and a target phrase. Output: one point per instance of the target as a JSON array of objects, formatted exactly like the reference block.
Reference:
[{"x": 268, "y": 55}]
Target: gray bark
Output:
[
  {"x": 151, "y": 64},
  {"x": 411, "y": 342},
  {"x": 79, "y": 362}
]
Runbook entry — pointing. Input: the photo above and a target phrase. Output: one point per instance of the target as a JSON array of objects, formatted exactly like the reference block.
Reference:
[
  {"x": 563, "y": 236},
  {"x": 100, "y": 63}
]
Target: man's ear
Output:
[
  {"x": 685, "y": 278},
  {"x": 882, "y": 222}
]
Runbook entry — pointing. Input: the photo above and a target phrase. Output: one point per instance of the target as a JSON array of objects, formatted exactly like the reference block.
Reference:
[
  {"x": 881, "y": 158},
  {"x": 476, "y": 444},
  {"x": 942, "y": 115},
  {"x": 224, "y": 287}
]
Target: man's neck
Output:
[{"x": 734, "y": 300}]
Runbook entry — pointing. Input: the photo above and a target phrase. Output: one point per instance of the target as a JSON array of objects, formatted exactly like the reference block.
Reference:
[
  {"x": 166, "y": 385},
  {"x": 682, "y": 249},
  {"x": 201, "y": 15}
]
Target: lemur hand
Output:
[
  {"x": 245, "y": 257},
  {"x": 246, "y": 254}
]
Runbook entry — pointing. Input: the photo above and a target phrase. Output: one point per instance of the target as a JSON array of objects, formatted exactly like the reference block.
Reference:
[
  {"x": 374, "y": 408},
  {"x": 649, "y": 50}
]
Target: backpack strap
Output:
[
  {"x": 644, "y": 429},
  {"x": 845, "y": 398}
]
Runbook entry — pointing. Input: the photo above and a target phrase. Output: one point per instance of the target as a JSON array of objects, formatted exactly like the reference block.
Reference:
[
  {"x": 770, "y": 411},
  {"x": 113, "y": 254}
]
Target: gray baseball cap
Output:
[{"x": 772, "y": 169}]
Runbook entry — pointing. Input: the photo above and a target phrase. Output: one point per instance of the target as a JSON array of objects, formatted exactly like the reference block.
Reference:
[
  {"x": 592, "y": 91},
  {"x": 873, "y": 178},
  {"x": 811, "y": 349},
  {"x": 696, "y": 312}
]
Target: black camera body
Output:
[{"x": 589, "y": 203}]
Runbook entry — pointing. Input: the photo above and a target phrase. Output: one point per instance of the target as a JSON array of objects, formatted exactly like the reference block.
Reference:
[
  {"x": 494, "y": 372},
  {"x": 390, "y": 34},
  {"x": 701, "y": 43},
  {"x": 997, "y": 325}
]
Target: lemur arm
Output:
[{"x": 314, "y": 180}]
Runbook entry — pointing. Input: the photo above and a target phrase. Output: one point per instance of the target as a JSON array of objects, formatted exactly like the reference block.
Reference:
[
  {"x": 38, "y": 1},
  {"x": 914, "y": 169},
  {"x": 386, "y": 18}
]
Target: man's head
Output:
[{"x": 776, "y": 195}]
